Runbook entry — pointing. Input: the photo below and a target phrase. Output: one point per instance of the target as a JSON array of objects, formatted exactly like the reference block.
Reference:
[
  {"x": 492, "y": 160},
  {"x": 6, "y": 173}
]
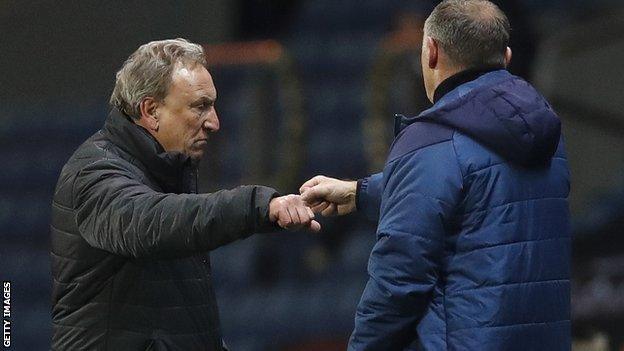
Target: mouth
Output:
[{"x": 201, "y": 142}]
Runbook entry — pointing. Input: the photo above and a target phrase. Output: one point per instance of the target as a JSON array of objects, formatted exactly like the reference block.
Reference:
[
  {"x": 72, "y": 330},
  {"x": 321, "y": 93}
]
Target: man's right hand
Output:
[
  {"x": 290, "y": 212},
  {"x": 329, "y": 196}
]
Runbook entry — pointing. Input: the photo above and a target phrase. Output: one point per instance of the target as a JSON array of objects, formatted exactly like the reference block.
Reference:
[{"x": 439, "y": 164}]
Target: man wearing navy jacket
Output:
[{"x": 473, "y": 239}]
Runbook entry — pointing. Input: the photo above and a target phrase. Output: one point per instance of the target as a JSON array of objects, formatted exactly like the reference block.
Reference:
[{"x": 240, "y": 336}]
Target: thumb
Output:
[
  {"x": 314, "y": 226},
  {"x": 314, "y": 194}
]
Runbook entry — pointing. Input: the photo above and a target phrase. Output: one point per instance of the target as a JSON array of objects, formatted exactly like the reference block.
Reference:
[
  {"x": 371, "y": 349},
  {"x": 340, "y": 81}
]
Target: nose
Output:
[{"x": 212, "y": 123}]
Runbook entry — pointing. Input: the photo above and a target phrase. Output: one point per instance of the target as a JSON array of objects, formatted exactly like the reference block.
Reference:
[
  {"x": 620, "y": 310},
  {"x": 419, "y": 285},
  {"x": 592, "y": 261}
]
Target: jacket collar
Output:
[
  {"x": 171, "y": 170},
  {"x": 465, "y": 76}
]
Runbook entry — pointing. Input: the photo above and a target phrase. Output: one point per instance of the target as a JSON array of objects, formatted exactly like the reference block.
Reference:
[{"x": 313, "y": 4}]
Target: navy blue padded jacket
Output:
[{"x": 473, "y": 240}]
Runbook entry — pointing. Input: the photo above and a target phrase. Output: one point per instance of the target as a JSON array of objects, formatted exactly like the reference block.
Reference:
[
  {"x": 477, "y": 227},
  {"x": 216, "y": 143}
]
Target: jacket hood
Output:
[{"x": 503, "y": 112}]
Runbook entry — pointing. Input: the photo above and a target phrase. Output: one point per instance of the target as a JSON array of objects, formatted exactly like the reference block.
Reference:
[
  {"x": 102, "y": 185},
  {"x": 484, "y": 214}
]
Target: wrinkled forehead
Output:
[
  {"x": 194, "y": 78},
  {"x": 191, "y": 71}
]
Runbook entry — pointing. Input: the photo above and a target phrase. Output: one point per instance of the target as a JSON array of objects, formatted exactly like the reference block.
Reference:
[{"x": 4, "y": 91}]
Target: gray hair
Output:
[
  {"x": 148, "y": 71},
  {"x": 472, "y": 33}
]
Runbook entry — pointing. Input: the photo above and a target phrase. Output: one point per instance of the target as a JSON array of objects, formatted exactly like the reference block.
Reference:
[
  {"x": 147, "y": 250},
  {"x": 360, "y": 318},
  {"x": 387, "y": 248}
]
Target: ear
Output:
[
  {"x": 149, "y": 113},
  {"x": 507, "y": 56},
  {"x": 433, "y": 52}
]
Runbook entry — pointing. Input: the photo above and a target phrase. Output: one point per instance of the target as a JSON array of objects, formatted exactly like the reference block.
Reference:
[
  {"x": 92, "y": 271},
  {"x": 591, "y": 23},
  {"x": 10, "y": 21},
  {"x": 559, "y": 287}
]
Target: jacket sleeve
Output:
[
  {"x": 422, "y": 190},
  {"x": 116, "y": 212},
  {"x": 368, "y": 196}
]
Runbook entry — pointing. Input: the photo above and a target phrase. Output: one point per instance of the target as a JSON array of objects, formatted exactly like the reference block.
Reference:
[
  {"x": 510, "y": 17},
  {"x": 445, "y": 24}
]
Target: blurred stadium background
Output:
[{"x": 305, "y": 88}]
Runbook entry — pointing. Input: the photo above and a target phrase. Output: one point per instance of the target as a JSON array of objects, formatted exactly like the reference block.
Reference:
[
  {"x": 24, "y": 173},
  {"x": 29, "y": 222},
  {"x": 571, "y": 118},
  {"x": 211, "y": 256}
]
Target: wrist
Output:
[
  {"x": 353, "y": 187},
  {"x": 273, "y": 209}
]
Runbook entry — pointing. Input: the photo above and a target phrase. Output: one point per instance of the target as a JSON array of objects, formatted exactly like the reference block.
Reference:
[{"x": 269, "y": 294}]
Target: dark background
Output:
[{"x": 322, "y": 105}]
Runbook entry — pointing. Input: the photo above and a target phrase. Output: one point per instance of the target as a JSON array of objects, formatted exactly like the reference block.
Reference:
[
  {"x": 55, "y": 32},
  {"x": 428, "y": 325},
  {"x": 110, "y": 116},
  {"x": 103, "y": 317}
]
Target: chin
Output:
[
  {"x": 196, "y": 156},
  {"x": 195, "y": 152}
]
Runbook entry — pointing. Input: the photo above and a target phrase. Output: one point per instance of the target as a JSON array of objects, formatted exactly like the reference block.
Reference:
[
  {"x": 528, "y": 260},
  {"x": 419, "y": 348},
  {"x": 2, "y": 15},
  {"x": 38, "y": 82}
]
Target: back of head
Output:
[
  {"x": 473, "y": 33},
  {"x": 148, "y": 71}
]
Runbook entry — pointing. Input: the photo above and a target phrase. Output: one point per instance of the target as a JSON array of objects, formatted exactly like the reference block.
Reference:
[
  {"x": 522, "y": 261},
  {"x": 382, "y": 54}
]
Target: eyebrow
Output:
[{"x": 202, "y": 100}]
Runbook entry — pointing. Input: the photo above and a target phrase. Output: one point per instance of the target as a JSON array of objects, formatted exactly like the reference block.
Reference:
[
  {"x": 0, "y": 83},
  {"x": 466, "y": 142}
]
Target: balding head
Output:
[{"x": 472, "y": 33}]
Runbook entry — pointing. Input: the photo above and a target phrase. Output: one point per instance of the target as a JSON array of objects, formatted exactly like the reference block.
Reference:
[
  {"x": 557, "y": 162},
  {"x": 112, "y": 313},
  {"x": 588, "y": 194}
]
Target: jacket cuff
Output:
[
  {"x": 362, "y": 184},
  {"x": 368, "y": 196},
  {"x": 262, "y": 196}
]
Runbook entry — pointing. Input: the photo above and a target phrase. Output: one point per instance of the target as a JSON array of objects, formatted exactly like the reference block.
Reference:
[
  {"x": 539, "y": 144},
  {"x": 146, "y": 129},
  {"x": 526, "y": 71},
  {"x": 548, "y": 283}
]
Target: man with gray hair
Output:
[
  {"x": 473, "y": 238},
  {"x": 130, "y": 234}
]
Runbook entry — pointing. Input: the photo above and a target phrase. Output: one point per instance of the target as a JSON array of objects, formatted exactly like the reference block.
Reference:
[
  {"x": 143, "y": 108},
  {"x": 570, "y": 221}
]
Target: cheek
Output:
[
  {"x": 177, "y": 128},
  {"x": 424, "y": 59},
  {"x": 167, "y": 127},
  {"x": 192, "y": 129}
]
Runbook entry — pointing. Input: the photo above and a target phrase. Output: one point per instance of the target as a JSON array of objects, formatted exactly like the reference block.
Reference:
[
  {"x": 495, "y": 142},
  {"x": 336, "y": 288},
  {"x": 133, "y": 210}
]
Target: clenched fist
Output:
[{"x": 290, "y": 212}]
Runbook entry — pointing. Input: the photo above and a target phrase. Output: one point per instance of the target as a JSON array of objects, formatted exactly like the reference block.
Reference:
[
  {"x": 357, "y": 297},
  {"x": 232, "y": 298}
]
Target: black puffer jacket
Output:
[{"x": 130, "y": 242}]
